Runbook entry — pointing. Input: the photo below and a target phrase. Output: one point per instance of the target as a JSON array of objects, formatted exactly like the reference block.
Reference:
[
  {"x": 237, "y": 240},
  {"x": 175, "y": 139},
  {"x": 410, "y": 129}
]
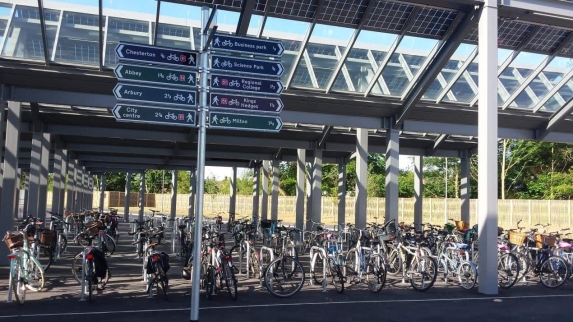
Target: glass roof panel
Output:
[
  {"x": 516, "y": 74},
  {"x": 254, "y": 25},
  {"x": 78, "y": 41},
  {"x": 291, "y": 40},
  {"x": 302, "y": 77},
  {"x": 363, "y": 62},
  {"x": 24, "y": 37},
  {"x": 324, "y": 52},
  {"x": 226, "y": 20},
  {"x": 175, "y": 28},
  {"x": 5, "y": 13},
  {"x": 406, "y": 62},
  {"x": 450, "y": 69},
  {"x": 559, "y": 99}
]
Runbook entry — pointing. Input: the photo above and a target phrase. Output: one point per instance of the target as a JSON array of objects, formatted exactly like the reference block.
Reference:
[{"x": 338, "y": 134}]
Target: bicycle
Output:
[
  {"x": 284, "y": 276},
  {"x": 334, "y": 262},
  {"x": 90, "y": 266},
  {"x": 450, "y": 260},
  {"x": 366, "y": 264},
  {"x": 157, "y": 267}
]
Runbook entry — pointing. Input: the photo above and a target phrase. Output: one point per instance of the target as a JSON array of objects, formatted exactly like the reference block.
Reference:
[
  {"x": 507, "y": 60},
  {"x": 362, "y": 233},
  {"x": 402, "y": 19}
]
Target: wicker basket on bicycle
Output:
[
  {"x": 14, "y": 239},
  {"x": 92, "y": 227},
  {"x": 46, "y": 237},
  {"x": 541, "y": 240},
  {"x": 462, "y": 225},
  {"x": 517, "y": 238}
]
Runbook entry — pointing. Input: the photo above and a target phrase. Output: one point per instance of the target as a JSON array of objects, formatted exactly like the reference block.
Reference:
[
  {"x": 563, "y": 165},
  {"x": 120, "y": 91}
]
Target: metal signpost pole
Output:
[{"x": 203, "y": 109}]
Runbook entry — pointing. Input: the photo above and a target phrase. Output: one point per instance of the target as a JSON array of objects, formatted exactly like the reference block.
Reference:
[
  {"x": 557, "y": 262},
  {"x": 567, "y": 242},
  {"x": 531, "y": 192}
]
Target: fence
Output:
[{"x": 531, "y": 212}]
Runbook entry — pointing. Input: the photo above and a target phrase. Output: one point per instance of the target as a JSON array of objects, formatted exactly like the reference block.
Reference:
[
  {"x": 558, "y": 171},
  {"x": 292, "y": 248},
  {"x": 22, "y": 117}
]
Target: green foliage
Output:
[{"x": 211, "y": 186}]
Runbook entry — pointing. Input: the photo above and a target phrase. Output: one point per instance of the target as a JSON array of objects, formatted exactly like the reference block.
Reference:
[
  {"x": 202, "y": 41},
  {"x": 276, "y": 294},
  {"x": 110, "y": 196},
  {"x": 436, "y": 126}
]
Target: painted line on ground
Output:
[{"x": 491, "y": 298}]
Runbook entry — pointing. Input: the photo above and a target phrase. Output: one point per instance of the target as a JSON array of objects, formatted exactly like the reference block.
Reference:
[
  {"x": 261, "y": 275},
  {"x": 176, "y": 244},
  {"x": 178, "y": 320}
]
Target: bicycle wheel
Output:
[
  {"x": 423, "y": 272},
  {"x": 467, "y": 275},
  {"x": 394, "y": 262},
  {"x": 337, "y": 278},
  {"x": 34, "y": 274},
  {"x": 376, "y": 273},
  {"x": 284, "y": 277},
  {"x": 89, "y": 278},
  {"x": 318, "y": 272},
  {"x": 63, "y": 243},
  {"x": 507, "y": 270},
  {"x": 18, "y": 286},
  {"x": 82, "y": 239},
  {"x": 553, "y": 272},
  {"x": 161, "y": 279},
  {"x": 352, "y": 267},
  {"x": 45, "y": 256},
  {"x": 209, "y": 282},
  {"x": 108, "y": 245},
  {"x": 231, "y": 282},
  {"x": 77, "y": 267}
]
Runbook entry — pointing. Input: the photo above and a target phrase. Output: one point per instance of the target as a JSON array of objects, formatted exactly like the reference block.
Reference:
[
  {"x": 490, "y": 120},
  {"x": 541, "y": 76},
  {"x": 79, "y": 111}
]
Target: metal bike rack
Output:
[
  {"x": 10, "y": 289},
  {"x": 174, "y": 248},
  {"x": 241, "y": 261},
  {"x": 314, "y": 250},
  {"x": 272, "y": 255},
  {"x": 83, "y": 282}
]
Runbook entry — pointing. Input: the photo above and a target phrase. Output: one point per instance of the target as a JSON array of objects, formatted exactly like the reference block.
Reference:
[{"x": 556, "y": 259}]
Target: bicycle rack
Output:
[
  {"x": 241, "y": 261},
  {"x": 313, "y": 251},
  {"x": 174, "y": 248},
  {"x": 150, "y": 287},
  {"x": 10, "y": 289},
  {"x": 272, "y": 255},
  {"x": 83, "y": 277}
]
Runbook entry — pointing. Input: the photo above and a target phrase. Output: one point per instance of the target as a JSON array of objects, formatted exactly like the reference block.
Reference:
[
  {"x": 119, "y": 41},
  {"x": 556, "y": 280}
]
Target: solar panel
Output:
[
  {"x": 547, "y": 39},
  {"x": 512, "y": 33},
  {"x": 343, "y": 11},
  {"x": 298, "y": 8},
  {"x": 389, "y": 15},
  {"x": 432, "y": 22}
]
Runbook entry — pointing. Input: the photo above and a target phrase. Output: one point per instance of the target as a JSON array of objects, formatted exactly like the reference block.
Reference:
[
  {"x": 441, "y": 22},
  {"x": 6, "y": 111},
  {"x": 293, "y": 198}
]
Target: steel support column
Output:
[
  {"x": 63, "y": 183},
  {"x": 70, "y": 188},
  {"x": 300, "y": 176},
  {"x": 173, "y": 209},
  {"x": 265, "y": 201},
  {"x": 35, "y": 164},
  {"x": 465, "y": 188},
  {"x": 361, "y": 178},
  {"x": 233, "y": 192},
  {"x": 126, "y": 197},
  {"x": 317, "y": 187},
  {"x": 275, "y": 191},
  {"x": 418, "y": 191},
  {"x": 9, "y": 178},
  {"x": 487, "y": 149},
  {"x": 44, "y": 172},
  {"x": 341, "y": 194},
  {"x": 256, "y": 188},
  {"x": 392, "y": 172},
  {"x": 78, "y": 188},
  {"x": 101, "y": 192},
  {"x": 141, "y": 202},
  {"x": 26, "y": 189},
  {"x": 58, "y": 185}
]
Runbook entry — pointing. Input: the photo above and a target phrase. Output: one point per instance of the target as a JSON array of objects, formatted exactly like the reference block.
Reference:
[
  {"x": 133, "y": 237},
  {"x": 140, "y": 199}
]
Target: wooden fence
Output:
[{"x": 554, "y": 212}]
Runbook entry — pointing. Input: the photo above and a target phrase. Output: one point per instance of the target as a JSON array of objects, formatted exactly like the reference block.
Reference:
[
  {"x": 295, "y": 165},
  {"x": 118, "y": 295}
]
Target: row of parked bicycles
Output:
[{"x": 348, "y": 256}]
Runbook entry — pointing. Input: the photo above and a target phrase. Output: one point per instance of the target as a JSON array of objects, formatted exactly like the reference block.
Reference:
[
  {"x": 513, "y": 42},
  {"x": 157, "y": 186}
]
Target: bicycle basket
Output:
[
  {"x": 542, "y": 240},
  {"x": 517, "y": 238},
  {"x": 92, "y": 227},
  {"x": 449, "y": 227},
  {"x": 13, "y": 240},
  {"x": 462, "y": 225},
  {"x": 265, "y": 224},
  {"x": 46, "y": 237}
]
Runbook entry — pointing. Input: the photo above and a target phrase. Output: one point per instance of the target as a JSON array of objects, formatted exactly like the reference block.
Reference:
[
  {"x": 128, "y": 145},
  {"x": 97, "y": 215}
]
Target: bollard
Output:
[{"x": 83, "y": 282}]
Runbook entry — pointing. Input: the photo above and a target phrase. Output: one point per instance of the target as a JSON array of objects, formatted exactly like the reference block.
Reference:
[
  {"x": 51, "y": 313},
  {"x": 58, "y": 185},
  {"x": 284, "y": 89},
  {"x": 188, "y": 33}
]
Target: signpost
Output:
[
  {"x": 246, "y": 84},
  {"x": 248, "y": 66},
  {"x": 243, "y": 102},
  {"x": 154, "y": 115},
  {"x": 252, "y": 122},
  {"x": 247, "y": 45},
  {"x": 156, "y": 55},
  {"x": 148, "y": 94},
  {"x": 155, "y": 75}
]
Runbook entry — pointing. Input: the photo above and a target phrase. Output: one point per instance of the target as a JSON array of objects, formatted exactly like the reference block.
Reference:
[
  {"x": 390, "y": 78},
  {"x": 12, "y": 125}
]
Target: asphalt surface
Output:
[{"x": 124, "y": 299}]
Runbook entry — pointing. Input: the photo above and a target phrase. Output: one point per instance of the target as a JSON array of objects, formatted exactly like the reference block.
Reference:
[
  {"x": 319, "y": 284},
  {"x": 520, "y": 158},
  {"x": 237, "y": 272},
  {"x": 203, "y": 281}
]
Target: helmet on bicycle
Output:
[{"x": 186, "y": 274}]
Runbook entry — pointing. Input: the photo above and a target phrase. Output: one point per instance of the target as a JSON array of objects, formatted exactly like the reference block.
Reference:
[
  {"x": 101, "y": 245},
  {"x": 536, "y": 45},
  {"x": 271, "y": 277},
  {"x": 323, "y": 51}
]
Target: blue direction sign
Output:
[
  {"x": 148, "y": 94},
  {"x": 248, "y": 45},
  {"x": 155, "y": 115},
  {"x": 242, "y": 102},
  {"x": 156, "y": 55},
  {"x": 155, "y": 75},
  {"x": 250, "y": 66},
  {"x": 249, "y": 122},
  {"x": 246, "y": 84}
]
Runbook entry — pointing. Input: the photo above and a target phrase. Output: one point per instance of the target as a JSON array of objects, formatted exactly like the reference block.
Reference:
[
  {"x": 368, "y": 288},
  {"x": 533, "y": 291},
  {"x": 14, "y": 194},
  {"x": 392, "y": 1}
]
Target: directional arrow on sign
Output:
[
  {"x": 246, "y": 84},
  {"x": 250, "y": 66},
  {"x": 249, "y": 122},
  {"x": 248, "y": 45},
  {"x": 243, "y": 102},
  {"x": 156, "y": 55},
  {"x": 155, "y": 75},
  {"x": 154, "y": 115},
  {"x": 148, "y": 94}
]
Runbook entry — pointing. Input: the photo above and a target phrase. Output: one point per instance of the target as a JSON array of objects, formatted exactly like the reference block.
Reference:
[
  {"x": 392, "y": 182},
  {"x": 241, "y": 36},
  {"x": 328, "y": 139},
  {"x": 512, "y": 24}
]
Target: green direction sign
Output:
[
  {"x": 154, "y": 115},
  {"x": 234, "y": 121},
  {"x": 155, "y": 75}
]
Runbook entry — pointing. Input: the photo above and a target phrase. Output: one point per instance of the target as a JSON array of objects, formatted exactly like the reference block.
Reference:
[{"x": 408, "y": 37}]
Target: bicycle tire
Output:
[
  {"x": 394, "y": 262},
  {"x": 467, "y": 275},
  {"x": 277, "y": 267},
  {"x": 352, "y": 262},
  {"x": 210, "y": 282},
  {"x": 63, "y": 244},
  {"x": 161, "y": 279},
  {"x": 35, "y": 273},
  {"x": 45, "y": 256},
  {"x": 507, "y": 270},
  {"x": 108, "y": 245},
  {"x": 554, "y": 265},
  {"x": 77, "y": 267},
  {"x": 426, "y": 283},
  {"x": 376, "y": 272},
  {"x": 89, "y": 278},
  {"x": 18, "y": 287},
  {"x": 231, "y": 282},
  {"x": 337, "y": 279},
  {"x": 317, "y": 273}
]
